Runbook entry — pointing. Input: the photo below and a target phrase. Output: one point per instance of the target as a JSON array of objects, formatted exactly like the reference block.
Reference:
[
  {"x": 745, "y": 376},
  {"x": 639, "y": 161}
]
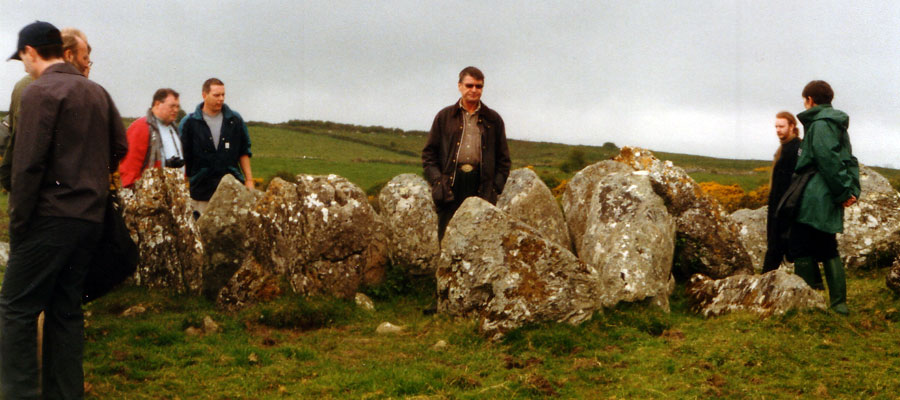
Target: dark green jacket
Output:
[
  {"x": 207, "y": 162},
  {"x": 826, "y": 146}
]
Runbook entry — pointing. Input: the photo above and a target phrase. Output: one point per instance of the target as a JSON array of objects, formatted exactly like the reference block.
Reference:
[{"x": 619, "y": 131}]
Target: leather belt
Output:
[{"x": 466, "y": 167}]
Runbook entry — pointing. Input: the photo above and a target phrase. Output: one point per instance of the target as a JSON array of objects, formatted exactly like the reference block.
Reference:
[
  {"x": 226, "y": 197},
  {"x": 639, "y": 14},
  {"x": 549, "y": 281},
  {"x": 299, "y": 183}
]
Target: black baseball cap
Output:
[{"x": 37, "y": 33}]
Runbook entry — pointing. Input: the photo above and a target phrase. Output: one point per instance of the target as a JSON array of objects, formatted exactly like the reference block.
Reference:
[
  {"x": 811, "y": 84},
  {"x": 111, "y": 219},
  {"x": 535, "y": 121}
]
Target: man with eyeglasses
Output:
[
  {"x": 68, "y": 135},
  {"x": 153, "y": 139},
  {"x": 76, "y": 50},
  {"x": 466, "y": 153}
]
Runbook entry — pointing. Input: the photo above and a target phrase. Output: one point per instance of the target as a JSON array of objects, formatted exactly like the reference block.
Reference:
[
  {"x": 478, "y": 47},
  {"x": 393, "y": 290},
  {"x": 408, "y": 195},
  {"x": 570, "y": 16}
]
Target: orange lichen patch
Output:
[{"x": 521, "y": 260}]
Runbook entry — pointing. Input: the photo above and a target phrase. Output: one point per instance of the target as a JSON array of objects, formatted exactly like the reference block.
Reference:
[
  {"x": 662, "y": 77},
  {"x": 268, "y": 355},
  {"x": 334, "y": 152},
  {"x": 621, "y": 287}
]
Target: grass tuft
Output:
[{"x": 304, "y": 313}]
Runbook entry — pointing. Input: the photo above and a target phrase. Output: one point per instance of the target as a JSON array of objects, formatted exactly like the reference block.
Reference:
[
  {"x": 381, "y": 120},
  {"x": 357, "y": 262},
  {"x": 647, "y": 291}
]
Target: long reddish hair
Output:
[{"x": 787, "y": 116}]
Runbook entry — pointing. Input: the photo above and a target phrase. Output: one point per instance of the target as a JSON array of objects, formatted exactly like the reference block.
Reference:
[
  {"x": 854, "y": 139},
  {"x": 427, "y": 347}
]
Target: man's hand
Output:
[
  {"x": 849, "y": 202},
  {"x": 249, "y": 184}
]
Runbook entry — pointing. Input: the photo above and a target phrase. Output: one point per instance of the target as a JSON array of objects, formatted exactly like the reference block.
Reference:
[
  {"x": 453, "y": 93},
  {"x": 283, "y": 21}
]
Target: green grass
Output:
[
  {"x": 631, "y": 351},
  {"x": 326, "y": 348}
]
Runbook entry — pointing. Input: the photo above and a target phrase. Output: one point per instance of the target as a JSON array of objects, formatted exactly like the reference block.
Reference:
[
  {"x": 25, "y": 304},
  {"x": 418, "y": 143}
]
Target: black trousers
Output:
[
  {"x": 45, "y": 272},
  {"x": 465, "y": 185},
  {"x": 807, "y": 241}
]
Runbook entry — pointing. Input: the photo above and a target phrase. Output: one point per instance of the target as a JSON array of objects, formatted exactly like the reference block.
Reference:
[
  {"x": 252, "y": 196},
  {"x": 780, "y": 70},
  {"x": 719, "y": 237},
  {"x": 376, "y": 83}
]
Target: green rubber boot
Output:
[
  {"x": 837, "y": 285},
  {"x": 808, "y": 269}
]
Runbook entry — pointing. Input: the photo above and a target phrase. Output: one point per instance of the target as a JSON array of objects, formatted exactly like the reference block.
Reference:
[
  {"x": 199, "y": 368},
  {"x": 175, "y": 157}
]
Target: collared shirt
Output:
[
  {"x": 171, "y": 145},
  {"x": 470, "y": 144}
]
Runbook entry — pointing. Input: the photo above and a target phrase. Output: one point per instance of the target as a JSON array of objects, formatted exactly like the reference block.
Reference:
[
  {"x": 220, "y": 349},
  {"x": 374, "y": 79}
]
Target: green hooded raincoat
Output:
[{"x": 826, "y": 146}]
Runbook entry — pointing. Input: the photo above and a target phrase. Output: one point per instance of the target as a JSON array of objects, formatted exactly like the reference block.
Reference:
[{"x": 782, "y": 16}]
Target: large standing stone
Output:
[
  {"x": 159, "y": 215},
  {"x": 871, "y": 237},
  {"x": 411, "y": 222},
  {"x": 527, "y": 198},
  {"x": 318, "y": 235},
  {"x": 223, "y": 230},
  {"x": 774, "y": 292},
  {"x": 496, "y": 267},
  {"x": 707, "y": 241},
  {"x": 629, "y": 238},
  {"x": 753, "y": 233},
  {"x": 576, "y": 200}
]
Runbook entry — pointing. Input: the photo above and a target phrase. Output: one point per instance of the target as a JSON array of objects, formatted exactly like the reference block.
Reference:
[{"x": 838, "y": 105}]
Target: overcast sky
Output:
[{"x": 697, "y": 77}]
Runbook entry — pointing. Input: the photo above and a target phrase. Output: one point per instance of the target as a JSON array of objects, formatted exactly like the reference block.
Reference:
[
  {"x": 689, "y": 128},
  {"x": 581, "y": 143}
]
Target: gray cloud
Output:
[{"x": 694, "y": 77}]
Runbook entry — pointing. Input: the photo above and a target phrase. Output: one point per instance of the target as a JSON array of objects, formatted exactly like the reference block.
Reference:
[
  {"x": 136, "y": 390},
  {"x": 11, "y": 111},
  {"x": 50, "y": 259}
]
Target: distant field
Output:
[{"x": 369, "y": 156}]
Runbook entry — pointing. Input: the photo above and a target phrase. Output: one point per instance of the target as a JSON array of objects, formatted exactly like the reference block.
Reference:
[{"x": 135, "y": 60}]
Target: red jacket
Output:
[{"x": 138, "y": 140}]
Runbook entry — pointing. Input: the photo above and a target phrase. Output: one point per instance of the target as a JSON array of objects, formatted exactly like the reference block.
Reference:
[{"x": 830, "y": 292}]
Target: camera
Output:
[{"x": 174, "y": 162}]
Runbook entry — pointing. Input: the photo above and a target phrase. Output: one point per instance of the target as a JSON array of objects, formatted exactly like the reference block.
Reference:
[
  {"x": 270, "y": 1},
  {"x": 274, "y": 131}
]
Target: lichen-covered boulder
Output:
[
  {"x": 315, "y": 236},
  {"x": 501, "y": 270},
  {"x": 893, "y": 276},
  {"x": 871, "y": 237},
  {"x": 707, "y": 241},
  {"x": 630, "y": 240},
  {"x": 410, "y": 218},
  {"x": 158, "y": 214},
  {"x": 223, "y": 231},
  {"x": 753, "y": 233},
  {"x": 774, "y": 292},
  {"x": 576, "y": 199},
  {"x": 527, "y": 198}
]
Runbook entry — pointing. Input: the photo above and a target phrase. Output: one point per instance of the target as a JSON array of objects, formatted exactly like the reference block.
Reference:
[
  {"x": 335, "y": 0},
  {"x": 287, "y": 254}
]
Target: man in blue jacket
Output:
[
  {"x": 835, "y": 186},
  {"x": 215, "y": 142}
]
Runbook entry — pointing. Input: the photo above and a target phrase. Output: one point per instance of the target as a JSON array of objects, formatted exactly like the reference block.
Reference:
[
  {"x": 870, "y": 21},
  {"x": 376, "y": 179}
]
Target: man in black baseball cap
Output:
[
  {"x": 68, "y": 136},
  {"x": 37, "y": 34}
]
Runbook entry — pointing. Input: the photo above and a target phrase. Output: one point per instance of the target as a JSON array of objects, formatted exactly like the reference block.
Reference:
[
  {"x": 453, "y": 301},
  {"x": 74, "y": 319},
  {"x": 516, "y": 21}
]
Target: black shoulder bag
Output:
[
  {"x": 790, "y": 201},
  {"x": 116, "y": 256}
]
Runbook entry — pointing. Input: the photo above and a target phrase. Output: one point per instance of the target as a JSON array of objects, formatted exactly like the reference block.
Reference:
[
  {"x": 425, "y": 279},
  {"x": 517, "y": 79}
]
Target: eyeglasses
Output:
[{"x": 472, "y": 85}]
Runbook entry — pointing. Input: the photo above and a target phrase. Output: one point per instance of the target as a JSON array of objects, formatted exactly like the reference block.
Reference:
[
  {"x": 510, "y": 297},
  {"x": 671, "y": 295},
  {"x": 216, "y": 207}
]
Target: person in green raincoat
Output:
[{"x": 835, "y": 186}]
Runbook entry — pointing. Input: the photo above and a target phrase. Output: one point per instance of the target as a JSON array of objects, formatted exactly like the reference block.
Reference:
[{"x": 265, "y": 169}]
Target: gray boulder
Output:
[
  {"x": 774, "y": 292},
  {"x": 315, "y": 236},
  {"x": 158, "y": 214},
  {"x": 527, "y": 198},
  {"x": 223, "y": 231},
  {"x": 410, "y": 218},
  {"x": 708, "y": 241},
  {"x": 893, "y": 276},
  {"x": 753, "y": 233},
  {"x": 871, "y": 237},
  {"x": 629, "y": 239},
  {"x": 502, "y": 271},
  {"x": 576, "y": 199}
]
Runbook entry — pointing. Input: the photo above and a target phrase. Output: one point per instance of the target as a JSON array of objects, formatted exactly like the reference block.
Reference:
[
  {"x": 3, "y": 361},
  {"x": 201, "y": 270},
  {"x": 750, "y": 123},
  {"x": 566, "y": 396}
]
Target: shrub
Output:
[
  {"x": 729, "y": 196},
  {"x": 574, "y": 162}
]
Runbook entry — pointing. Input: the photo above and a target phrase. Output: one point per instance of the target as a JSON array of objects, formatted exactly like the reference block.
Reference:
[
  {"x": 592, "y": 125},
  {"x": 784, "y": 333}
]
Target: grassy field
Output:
[
  {"x": 315, "y": 348},
  {"x": 325, "y": 348}
]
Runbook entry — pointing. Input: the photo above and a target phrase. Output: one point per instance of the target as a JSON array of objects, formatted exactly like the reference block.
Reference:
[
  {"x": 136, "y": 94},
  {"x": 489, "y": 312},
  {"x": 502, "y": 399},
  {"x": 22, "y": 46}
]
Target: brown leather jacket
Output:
[{"x": 439, "y": 154}]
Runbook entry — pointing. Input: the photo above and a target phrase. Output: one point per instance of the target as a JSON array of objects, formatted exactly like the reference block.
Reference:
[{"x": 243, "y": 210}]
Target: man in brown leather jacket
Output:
[{"x": 466, "y": 153}]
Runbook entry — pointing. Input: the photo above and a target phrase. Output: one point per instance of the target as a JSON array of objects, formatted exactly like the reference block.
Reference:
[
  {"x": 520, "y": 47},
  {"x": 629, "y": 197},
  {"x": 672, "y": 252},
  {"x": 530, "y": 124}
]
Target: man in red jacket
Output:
[{"x": 153, "y": 139}]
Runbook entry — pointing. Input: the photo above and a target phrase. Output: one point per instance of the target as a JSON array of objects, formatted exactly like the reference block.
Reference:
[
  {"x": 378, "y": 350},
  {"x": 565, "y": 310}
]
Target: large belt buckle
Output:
[{"x": 467, "y": 168}]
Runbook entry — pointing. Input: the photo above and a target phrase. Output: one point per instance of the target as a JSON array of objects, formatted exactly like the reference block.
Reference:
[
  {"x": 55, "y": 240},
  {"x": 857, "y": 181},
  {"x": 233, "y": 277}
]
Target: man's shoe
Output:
[{"x": 837, "y": 285}]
